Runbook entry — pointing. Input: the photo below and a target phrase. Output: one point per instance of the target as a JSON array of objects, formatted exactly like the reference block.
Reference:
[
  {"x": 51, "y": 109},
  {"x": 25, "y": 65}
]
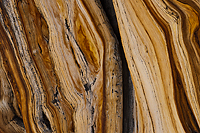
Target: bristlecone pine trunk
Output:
[{"x": 100, "y": 66}]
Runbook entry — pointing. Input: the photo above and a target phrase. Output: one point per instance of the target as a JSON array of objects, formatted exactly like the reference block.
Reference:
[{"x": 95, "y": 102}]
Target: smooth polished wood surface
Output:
[{"x": 62, "y": 69}]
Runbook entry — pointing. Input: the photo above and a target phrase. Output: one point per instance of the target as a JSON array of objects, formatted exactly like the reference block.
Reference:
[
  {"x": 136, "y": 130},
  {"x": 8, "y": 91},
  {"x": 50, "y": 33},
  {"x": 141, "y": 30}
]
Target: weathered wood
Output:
[
  {"x": 63, "y": 70},
  {"x": 161, "y": 44},
  {"x": 128, "y": 90},
  {"x": 62, "y": 62}
]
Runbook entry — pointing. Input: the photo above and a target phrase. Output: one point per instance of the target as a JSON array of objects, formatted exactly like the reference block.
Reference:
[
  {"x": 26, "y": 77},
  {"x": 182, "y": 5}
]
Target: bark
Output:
[{"x": 64, "y": 66}]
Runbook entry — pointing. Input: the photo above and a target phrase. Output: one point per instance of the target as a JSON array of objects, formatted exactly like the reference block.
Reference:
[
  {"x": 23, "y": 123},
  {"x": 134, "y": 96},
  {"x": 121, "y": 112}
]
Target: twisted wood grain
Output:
[
  {"x": 61, "y": 69},
  {"x": 161, "y": 44}
]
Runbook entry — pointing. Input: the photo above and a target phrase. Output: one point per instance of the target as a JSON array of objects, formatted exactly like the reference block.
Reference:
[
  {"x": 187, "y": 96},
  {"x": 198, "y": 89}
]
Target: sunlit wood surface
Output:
[
  {"x": 161, "y": 43},
  {"x": 62, "y": 66}
]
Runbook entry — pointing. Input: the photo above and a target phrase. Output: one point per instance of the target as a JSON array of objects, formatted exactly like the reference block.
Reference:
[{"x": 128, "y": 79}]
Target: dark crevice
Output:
[
  {"x": 128, "y": 90},
  {"x": 18, "y": 121},
  {"x": 67, "y": 26},
  {"x": 40, "y": 49},
  {"x": 87, "y": 87},
  {"x": 45, "y": 120},
  {"x": 92, "y": 131}
]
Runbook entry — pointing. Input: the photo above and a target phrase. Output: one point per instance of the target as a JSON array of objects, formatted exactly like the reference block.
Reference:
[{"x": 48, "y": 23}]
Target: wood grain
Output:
[
  {"x": 62, "y": 66},
  {"x": 161, "y": 43},
  {"x": 63, "y": 69}
]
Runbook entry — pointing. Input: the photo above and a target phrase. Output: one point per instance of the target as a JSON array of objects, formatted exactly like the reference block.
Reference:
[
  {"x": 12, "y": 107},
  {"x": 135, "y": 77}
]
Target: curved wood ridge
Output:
[
  {"x": 60, "y": 68},
  {"x": 161, "y": 43},
  {"x": 62, "y": 71}
]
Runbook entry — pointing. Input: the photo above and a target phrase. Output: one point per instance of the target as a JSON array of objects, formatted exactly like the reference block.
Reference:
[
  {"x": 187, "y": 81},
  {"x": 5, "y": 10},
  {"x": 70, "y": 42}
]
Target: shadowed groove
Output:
[{"x": 128, "y": 90}]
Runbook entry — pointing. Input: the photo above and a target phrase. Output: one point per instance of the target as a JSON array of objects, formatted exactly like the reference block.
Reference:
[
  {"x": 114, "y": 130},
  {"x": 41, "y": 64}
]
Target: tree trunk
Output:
[{"x": 64, "y": 66}]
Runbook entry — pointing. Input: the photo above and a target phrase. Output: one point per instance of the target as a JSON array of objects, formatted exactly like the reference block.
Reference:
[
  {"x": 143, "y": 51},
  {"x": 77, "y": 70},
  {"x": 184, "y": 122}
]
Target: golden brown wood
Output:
[
  {"x": 61, "y": 60},
  {"x": 61, "y": 67},
  {"x": 161, "y": 44}
]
